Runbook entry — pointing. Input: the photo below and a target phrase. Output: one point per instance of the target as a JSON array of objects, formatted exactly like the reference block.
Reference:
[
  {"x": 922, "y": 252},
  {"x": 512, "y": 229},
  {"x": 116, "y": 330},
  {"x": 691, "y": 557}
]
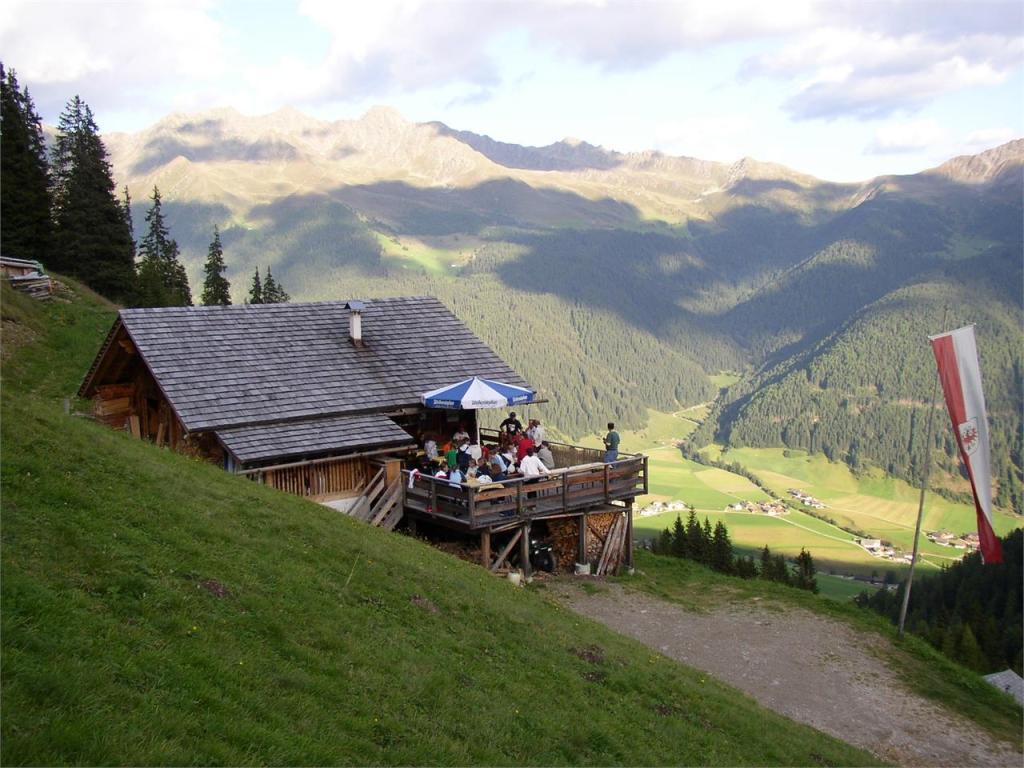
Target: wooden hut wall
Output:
[{"x": 320, "y": 480}]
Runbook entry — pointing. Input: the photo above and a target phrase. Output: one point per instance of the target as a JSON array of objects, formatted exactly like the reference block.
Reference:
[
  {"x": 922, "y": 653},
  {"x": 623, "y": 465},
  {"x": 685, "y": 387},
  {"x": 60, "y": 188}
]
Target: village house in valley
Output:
[{"x": 323, "y": 400}]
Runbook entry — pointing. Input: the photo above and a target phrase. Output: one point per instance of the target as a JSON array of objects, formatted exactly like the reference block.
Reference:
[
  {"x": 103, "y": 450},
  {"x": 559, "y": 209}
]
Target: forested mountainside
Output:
[{"x": 617, "y": 282}]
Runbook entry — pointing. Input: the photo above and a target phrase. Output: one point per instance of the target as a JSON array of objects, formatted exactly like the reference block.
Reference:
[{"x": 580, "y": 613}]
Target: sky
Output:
[{"x": 844, "y": 89}]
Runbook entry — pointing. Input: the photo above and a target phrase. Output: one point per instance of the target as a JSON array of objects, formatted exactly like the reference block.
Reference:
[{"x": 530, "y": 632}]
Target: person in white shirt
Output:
[
  {"x": 461, "y": 435},
  {"x": 536, "y": 432},
  {"x": 531, "y": 466},
  {"x": 430, "y": 448}
]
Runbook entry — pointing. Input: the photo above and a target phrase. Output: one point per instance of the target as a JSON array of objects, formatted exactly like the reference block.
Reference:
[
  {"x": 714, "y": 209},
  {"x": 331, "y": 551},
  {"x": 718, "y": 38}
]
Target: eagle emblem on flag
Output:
[{"x": 969, "y": 436}]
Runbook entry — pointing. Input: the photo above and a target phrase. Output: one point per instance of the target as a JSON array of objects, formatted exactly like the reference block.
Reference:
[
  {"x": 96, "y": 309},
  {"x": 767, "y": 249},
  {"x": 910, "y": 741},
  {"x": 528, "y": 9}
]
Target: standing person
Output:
[
  {"x": 430, "y": 448},
  {"x": 461, "y": 435},
  {"x": 531, "y": 466},
  {"x": 611, "y": 444},
  {"x": 511, "y": 425},
  {"x": 536, "y": 432},
  {"x": 463, "y": 457},
  {"x": 523, "y": 445},
  {"x": 451, "y": 456}
]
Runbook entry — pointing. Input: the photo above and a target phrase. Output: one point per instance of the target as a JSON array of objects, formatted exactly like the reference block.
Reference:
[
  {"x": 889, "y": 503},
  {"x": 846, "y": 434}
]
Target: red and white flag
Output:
[{"x": 956, "y": 354}]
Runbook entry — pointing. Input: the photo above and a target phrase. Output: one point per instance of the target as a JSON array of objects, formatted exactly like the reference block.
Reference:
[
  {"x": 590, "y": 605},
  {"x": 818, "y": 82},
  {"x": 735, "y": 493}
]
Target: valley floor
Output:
[{"x": 810, "y": 668}]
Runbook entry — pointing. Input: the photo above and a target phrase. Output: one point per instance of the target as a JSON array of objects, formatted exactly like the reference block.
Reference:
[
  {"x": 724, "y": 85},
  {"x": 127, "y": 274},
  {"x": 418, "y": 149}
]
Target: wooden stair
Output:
[{"x": 381, "y": 503}]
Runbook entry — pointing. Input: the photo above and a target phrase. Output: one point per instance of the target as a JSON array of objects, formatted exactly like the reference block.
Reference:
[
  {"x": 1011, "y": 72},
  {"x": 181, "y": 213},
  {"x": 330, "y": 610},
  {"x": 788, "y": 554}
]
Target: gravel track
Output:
[{"x": 809, "y": 668}]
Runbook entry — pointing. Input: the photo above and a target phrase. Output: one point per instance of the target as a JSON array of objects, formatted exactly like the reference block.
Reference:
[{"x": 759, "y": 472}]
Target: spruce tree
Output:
[
  {"x": 678, "y": 537},
  {"x": 162, "y": 281},
  {"x": 27, "y": 231},
  {"x": 766, "y": 563},
  {"x": 694, "y": 538},
  {"x": 92, "y": 240},
  {"x": 721, "y": 549},
  {"x": 256, "y": 289},
  {"x": 805, "y": 572},
  {"x": 216, "y": 288},
  {"x": 274, "y": 292},
  {"x": 706, "y": 538}
]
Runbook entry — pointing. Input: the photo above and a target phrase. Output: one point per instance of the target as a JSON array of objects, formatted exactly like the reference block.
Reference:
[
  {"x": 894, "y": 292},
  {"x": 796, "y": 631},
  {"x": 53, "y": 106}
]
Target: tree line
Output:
[
  {"x": 713, "y": 548},
  {"x": 61, "y": 209},
  {"x": 970, "y": 611}
]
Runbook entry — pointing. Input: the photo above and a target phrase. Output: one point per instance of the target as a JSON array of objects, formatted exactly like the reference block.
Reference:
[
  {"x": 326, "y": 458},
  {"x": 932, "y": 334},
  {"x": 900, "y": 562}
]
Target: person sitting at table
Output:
[
  {"x": 472, "y": 470},
  {"x": 545, "y": 455},
  {"x": 508, "y": 456},
  {"x": 497, "y": 472},
  {"x": 531, "y": 466},
  {"x": 511, "y": 425},
  {"x": 441, "y": 474},
  {"x": 460, "y": 435},
  {"x": 455, "y": 477}
]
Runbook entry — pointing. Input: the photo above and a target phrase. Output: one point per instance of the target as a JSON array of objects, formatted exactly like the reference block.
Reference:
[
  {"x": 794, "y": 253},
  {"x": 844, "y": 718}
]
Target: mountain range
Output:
[{"x": 618, "y": 282}]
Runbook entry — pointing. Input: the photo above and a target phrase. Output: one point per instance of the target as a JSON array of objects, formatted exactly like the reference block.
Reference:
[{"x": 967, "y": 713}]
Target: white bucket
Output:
[
  {"x": 582, "y": 569},
  {"x": 515, "y": 577}
]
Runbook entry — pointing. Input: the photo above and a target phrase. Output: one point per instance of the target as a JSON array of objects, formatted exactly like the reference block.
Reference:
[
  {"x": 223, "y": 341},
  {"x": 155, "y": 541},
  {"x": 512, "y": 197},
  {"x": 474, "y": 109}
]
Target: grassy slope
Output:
[
  {"x": 911, "y": 659},
  {"x": 335, "y": 643}
]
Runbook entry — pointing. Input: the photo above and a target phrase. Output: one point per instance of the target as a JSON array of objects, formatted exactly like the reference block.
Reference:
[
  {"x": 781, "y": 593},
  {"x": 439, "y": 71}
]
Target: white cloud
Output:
[
  {"x": 986, "y": 138},
  {"x": 118, "y": 52},
  {"x": 871, "y": 75},
  {"x": 913, "y": 136},
  {"x": 709, "y": 137}
]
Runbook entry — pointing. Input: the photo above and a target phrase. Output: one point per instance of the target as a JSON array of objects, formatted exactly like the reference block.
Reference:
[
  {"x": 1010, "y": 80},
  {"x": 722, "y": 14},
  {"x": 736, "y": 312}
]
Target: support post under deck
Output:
[
  {"x": 485, "y": 547},
  {"x": 524, "y": 551},
  {"x": 581, "y": 543},
  {"x": 629, "y": 536}
]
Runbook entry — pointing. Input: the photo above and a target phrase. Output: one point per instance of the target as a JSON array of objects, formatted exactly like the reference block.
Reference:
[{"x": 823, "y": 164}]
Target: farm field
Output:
[
  {"x": 706, "y": 488},
  {"x": 832, "y": 548},
  {"x": 884, "y": 507},
  {"x": 838, "y": 588}
]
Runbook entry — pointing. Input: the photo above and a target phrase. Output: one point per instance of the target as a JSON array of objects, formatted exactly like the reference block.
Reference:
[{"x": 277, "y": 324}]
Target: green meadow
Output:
[{"x": 882, "y": 506}]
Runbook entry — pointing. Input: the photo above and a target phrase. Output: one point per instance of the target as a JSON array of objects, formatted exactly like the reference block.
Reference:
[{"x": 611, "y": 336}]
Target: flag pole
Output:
[{"x": 924, "y": 488}]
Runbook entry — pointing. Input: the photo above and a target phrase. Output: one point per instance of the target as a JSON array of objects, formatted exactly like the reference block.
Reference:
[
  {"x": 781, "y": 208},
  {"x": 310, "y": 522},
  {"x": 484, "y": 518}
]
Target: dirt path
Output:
[{"x": 806, "y": 667}]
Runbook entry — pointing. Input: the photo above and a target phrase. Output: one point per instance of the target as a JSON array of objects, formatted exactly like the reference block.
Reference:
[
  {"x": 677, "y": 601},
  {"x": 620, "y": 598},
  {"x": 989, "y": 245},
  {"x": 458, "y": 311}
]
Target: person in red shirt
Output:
[{"x": 522, "y": 446}]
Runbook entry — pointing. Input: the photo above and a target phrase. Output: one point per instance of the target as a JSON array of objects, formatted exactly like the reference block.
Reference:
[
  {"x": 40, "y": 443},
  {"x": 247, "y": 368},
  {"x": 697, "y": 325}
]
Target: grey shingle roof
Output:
[
  {"x": 303, "y": 438},
  {"x": 241, "y": 365}
]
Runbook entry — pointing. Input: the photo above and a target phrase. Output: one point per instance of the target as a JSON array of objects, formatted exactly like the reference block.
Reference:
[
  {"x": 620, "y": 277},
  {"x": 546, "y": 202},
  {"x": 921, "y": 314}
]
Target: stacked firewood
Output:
[{"x": 564, "y": 537}]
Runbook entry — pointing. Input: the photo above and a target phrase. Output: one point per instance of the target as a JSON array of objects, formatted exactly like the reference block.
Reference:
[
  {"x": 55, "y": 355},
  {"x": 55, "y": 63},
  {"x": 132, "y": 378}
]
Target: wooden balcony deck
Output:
[{"x": 572, "y": 490}]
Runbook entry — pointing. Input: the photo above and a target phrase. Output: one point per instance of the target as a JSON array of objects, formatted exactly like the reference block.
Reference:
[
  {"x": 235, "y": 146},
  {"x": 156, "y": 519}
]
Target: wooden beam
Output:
[
  {"x": 629, "y": 536},
  {"x": 524, "y": 550},
  {"x": 485, "y": 547},
  {"x": 503, "y": 555},
  {"x": 581, "y": 545}
]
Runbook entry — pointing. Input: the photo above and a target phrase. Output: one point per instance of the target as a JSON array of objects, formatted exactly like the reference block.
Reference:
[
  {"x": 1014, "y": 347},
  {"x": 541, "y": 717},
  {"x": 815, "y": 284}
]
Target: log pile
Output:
[
  {"x": 564, "y": 537},
  {"x": 36, "y": 286},
  {"x": 113, "y": 404}
]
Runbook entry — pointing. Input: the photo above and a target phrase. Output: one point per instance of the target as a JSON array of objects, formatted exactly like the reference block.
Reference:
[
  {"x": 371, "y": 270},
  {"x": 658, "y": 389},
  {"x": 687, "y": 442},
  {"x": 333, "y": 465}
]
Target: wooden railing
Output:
[{"x": 563, "y": 491}]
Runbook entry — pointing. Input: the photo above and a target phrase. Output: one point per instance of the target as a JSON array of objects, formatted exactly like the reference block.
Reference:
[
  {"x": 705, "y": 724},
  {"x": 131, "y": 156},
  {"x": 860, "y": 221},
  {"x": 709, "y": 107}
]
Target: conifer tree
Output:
[
  {"x": 766, "y": 563},
  {"x": 694, "y": 538},
  {"x": 27, "y": 231},
  {"x": 256, "y": 289},
  {"x": 92, "y": 240},
  {"x": 216, "y": 288},
  {"x": 162, "y": 281},
  {"x": 805, "y": 572},
  {"x": 721, "y": 549},
  {"x": 274, "y": 292},
  {"x": 706, "y": 538},
  {"x": 678, "y": 536}
]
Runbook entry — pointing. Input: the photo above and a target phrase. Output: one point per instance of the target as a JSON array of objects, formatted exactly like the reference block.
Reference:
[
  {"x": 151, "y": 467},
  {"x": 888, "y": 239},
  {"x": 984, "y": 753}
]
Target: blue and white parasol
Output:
[{"x": 477, "y": 393}]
